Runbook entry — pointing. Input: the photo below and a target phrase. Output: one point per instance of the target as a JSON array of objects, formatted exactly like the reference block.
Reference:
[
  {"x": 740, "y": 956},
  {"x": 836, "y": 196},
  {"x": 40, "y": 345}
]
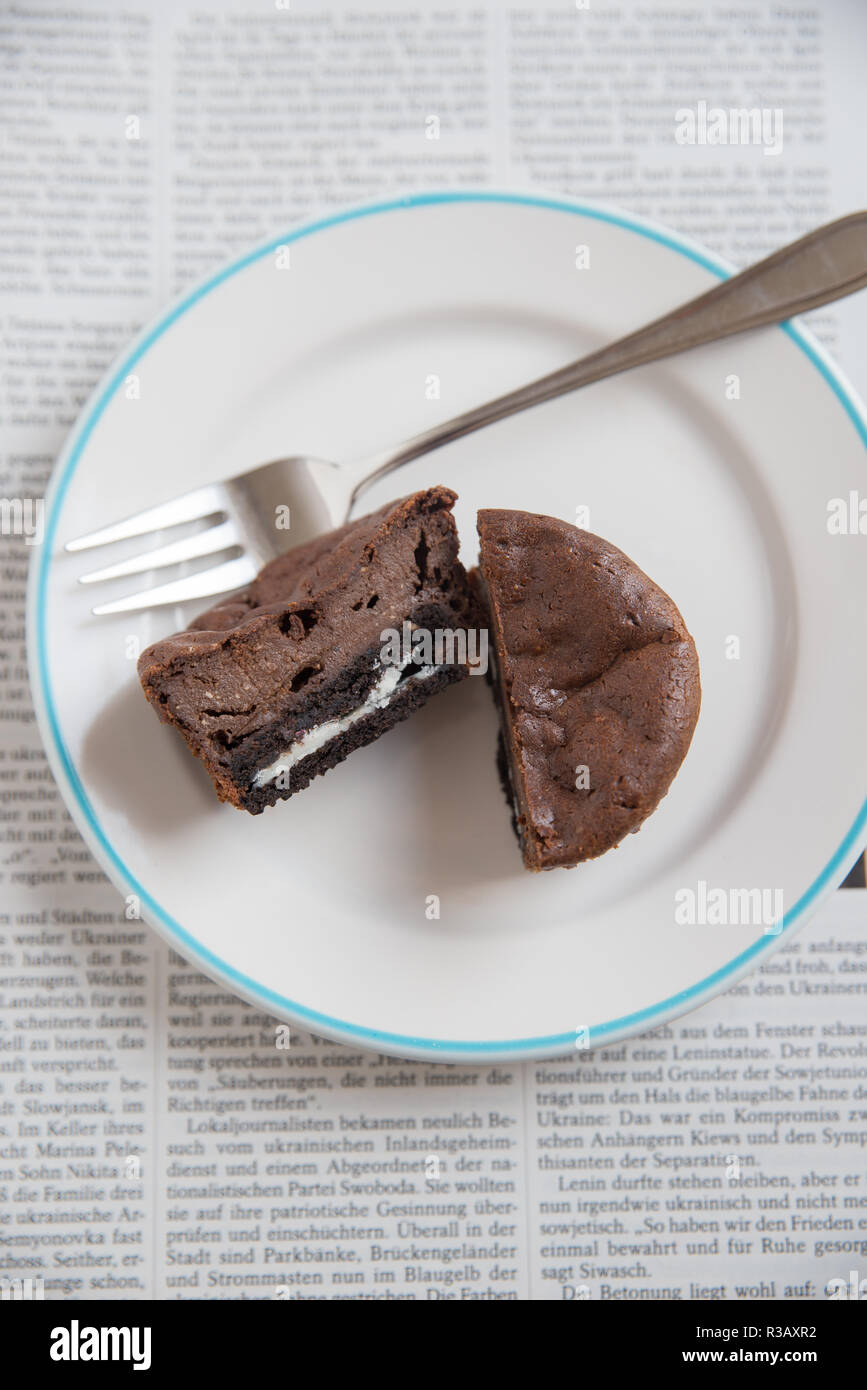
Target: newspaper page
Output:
[{"x": 154, "y": 1142}]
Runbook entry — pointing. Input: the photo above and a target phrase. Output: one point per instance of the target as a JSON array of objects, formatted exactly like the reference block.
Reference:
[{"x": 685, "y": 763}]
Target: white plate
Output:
[{"x": 317, "y": 910}]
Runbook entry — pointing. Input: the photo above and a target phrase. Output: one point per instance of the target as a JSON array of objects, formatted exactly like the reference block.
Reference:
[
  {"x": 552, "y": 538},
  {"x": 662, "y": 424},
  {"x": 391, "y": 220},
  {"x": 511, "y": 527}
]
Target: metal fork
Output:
[{"x": 824, "y": 265}]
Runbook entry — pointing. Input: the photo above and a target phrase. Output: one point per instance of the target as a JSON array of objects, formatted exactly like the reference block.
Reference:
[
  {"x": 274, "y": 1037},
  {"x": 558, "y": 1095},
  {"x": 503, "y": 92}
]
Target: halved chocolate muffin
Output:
[
  {"x": 596, "y": 679},
  {"x": 279, "y": 683}
]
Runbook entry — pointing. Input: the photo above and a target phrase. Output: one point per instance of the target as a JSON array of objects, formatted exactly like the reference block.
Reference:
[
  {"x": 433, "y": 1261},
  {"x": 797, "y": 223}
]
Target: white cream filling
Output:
[{"x": 314, "y": 739}]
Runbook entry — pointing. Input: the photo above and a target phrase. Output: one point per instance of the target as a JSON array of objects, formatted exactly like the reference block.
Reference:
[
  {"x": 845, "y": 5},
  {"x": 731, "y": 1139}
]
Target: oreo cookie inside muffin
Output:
[{"x": 322, "y": 654}]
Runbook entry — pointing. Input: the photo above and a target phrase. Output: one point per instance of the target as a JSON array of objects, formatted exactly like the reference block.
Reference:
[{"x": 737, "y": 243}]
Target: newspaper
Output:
[{"x": 155, "y": 1140}]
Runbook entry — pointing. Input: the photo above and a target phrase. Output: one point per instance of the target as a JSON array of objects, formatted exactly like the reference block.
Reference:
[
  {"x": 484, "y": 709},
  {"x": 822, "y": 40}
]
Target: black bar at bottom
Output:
[{"x": 204, "y": 1338}]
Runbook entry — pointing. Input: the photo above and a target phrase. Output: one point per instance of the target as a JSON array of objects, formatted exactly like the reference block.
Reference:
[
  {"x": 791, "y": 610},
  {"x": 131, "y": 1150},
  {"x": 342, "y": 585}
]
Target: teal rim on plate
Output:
[{"x": 453, "y": 1050}]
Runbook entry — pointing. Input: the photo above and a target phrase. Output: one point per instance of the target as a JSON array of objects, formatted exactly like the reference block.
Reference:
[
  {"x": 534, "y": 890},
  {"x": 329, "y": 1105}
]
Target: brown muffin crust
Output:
[{"x": 597, "y": 682}]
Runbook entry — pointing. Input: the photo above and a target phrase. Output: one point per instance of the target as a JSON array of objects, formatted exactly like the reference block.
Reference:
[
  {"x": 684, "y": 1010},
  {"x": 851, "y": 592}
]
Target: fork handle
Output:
[{"x": 824, "y": 265}]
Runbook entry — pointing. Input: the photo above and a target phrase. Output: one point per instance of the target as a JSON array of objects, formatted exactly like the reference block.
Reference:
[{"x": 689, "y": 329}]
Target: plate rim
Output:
[{"x": 75, "y": 795}]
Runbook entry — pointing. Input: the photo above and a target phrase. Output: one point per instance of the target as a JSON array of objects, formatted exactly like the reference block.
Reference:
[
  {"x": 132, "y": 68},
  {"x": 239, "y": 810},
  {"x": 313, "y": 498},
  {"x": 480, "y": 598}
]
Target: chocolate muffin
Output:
[
  {"x": 596, "y": 680},
  {"x": 331, "y": 645}
]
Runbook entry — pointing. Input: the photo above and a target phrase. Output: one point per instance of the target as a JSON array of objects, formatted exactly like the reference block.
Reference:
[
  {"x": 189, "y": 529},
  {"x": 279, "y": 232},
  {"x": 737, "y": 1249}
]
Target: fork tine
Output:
[
  {"x": 224, "y": 536},
  {"x": 192, "y": 506},
  {"x": 233, "y": 574}
]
